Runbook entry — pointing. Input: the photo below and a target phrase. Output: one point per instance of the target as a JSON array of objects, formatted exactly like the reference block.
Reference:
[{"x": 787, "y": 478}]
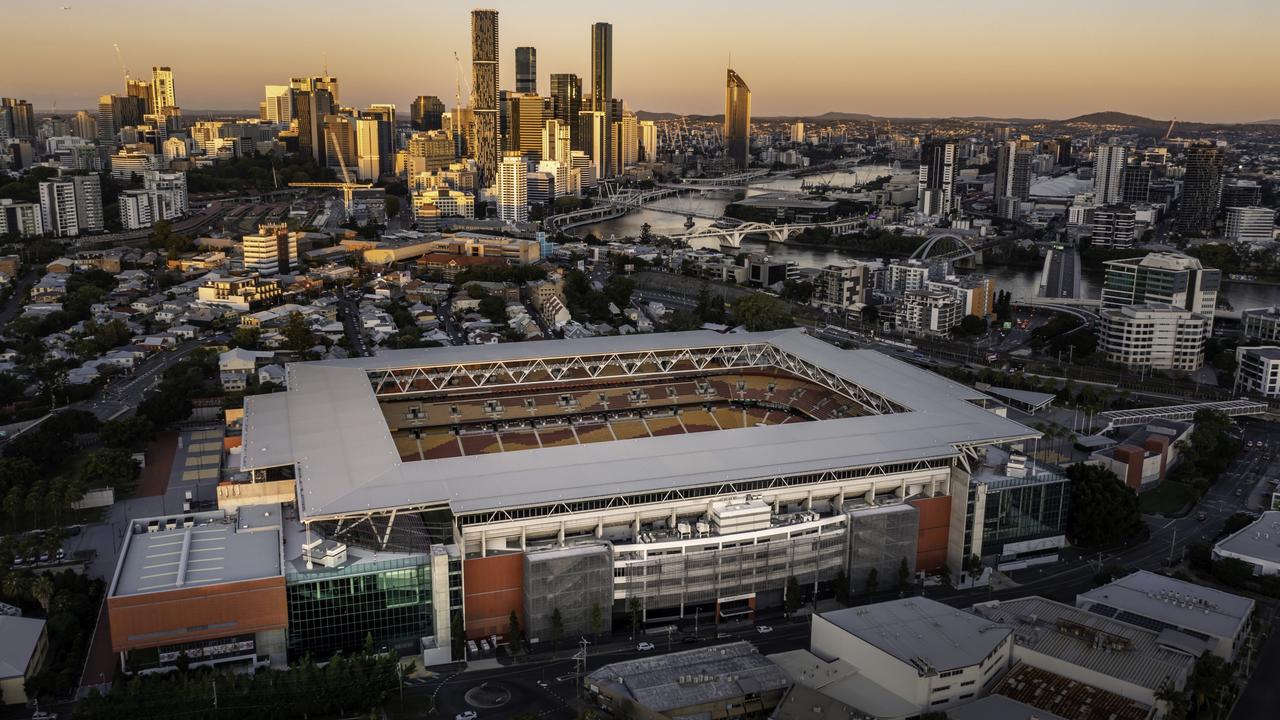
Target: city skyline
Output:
[{"x": 1177, "y": 62}]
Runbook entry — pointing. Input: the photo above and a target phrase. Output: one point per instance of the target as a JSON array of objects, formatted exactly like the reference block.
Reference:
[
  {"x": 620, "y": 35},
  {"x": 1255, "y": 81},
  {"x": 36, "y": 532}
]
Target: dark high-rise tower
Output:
[
  {"x": 602, "y": 89},
  {"x": 737, "y": 119},
  {"x": 936, "y": 195},
  {"x": 526, "y": 70},
  {"x": 566, "y": 102},
  {"x": 311, "y": 107},
  {"x": 426, "y": 113},
  {"x": 484, "y": 92},
  {"x": 1201, "y": 185}
]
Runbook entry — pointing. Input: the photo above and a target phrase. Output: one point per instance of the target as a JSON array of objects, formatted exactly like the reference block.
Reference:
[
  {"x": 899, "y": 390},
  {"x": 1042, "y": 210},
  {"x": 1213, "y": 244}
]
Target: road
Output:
[
  {"x": 349, "y": 313},
  {"x": 124, "y": 393},
  {"x": 20, "y": 288},
  {"x": 1063, "y": 280}
]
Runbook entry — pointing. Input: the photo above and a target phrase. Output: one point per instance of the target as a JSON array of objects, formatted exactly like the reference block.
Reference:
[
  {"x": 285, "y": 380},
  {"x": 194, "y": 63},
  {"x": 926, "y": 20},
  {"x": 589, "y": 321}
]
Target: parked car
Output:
[
  {"x": 644, "y": 646},
  {"x": 465, "y": 715}
]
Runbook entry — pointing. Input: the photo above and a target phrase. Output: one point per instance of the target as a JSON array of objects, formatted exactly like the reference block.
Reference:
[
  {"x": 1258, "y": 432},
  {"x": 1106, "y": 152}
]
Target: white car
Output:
[
  {"x": 465, "y": 715},
  {"x": 762, "y": 629},
  {"x": 644, "y": 646}
]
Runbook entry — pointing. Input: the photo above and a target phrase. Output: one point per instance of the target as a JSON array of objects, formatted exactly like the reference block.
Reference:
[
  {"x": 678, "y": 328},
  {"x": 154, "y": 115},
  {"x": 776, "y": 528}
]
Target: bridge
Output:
[
  {"x": 619, "y": 202},
  {"x": 1094, "y": 305},
  {"x": 723, "y": 182},
  {"x": 1181, "y": 413},
  {"x": 732, "y": 236}
]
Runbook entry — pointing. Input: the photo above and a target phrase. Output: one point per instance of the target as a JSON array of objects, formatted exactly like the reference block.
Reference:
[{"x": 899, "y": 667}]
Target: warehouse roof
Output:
[
  {"x": 921, "y": 632},
  {"x": 1254, "y": 540},
  {"x": 1116, "y": 649},
  {"x": 330, "y": 425},
  {"x": 1171, "y": 602},
  {"x": 665, "y": 683},
  {"x": 206, "y": 551},
  {"x": 21, "y": 636}
]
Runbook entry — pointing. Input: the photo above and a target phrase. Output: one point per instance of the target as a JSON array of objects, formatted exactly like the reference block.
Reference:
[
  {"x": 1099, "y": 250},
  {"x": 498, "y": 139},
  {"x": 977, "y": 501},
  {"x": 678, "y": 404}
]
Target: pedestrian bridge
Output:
[{"x": 1181, "y": 413}]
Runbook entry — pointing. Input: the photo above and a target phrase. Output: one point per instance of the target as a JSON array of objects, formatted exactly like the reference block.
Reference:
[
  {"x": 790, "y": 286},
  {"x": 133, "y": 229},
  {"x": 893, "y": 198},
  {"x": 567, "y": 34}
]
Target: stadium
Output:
[{"x": 430, "y": 493}]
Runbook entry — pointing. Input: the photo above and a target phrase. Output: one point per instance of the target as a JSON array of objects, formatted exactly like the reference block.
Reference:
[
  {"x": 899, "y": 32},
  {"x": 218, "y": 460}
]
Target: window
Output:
[
  {"x": 941, "y": 688},
  {"x": 967, "y": 683}
]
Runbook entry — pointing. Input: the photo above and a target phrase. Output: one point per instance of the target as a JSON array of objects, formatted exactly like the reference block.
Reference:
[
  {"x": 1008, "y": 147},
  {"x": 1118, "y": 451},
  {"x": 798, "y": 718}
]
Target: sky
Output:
[{"x": 1192, "y": 59}]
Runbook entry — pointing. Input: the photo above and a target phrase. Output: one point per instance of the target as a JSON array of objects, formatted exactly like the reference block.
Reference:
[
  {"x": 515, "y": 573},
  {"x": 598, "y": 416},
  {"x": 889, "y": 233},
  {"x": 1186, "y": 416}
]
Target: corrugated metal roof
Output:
[{"x": 329, "y": 423}]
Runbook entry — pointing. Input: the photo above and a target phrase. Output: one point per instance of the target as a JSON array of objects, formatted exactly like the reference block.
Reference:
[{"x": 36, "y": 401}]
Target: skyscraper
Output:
[
  {"x": 140, "y": 89},
  {"x": 593, "y": 134},
  {"x": 526, "y": 70},
  {"x": 527, "y": 121},
  {"x": 84, "y": 125},
  {"x": 737, "y": 119},
  {"x": 556, "y": 142},
  {"x": 602, "y": 92},
  {"x": 936, "y": 195},
  {"x": 1108, "y": 172},
  {"x": 648, "y": 141},
  {"x": 119, "y": 111},
  {"x": 513, "y": 188},
  {"x": 17, "y": 119},
  {"x": 279, "y": 104},
  {"x": 162, "y": 95},
  {"x": 426, "y": 113},
  {"x": 1013, "y": 175},
  {"x": 566, "y": 101},
  {"x": 1201, "y": 185},
  {"x": 311, "y": 107},
  {"x": 71, "y": 205},
  {"x": 484, "y": 92}
]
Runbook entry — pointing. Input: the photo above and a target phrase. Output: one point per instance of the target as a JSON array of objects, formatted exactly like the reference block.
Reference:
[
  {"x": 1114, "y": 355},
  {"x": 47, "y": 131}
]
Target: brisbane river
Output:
[{"x": 1020, "y": 281}]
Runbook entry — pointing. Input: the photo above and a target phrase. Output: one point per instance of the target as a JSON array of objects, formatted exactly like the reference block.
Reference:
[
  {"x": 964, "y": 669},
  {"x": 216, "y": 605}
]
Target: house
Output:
[
  {"x": 161, "y": 341},
  {"x": 237, "y": 364},
  {"x": 149, "y": 304},
  {"x": 26, "y": 642},
  {"x": 184, "y": 331},
  {"x": 271, "y": 374}
]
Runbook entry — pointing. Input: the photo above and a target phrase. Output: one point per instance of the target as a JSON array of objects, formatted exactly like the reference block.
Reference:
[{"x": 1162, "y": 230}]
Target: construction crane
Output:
[
  {"x": 347, "y": 187},
  {"x": 1169, "y": 132},
  {"x": 120, "y": 58}
]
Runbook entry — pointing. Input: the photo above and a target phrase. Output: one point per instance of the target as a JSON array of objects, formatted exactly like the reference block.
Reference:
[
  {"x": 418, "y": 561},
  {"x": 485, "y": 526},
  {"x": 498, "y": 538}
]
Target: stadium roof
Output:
[
  {"x": 330, "y": 424},
  {"x": 919, "y": 631}
]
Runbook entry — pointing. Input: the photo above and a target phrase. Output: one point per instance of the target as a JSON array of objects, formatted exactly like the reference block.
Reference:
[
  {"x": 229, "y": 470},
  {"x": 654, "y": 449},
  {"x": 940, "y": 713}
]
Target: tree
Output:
[
  {"x": 392, "y": 205},
  {"x": 761, "y": 312},
  {"x": 1209, "y": 678},
  {"x": 633, "y": 607},
  {"x": 297, "y": 336},
  {"x": 873, "y": 580},
  {"x": 973, "y": 325},
  {"x": 246, "y": 337},
  {"x": 513, "y": 628},
  {"x": 797, "y": 290},
  {"x": 42, "y": 591},
  {"x": 128, "y": 433},
  {"x": 793, "y": 598},
  {"x": 1102, "y": 509},
  {"x": 108, "y": 467},
  {"x": 904, "y": 576},
  {"x": 557, "y": 626},
  {"x": 597, "y": 618}
]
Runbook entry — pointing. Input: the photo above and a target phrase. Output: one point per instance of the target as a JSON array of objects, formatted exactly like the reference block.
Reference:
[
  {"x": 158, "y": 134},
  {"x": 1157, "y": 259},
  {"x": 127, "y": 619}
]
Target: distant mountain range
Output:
[{"x": 1143, "y": 125}]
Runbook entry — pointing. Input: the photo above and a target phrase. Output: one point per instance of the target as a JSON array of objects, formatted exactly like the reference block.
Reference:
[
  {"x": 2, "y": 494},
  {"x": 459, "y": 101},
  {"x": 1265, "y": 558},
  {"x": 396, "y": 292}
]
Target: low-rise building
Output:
[
  {"x": 928, "y": 312},
  {"x": 1262, "y": 324},
  {"x": 26, "y": 642},
  {"x": 1145, "y": 456},
  {"x": 237, "y": 365},
  {"x": 713, "y": 683},
  {"x": 1130, "y": 661},
  {"x": 243, "y": 294},
  {"x": 1253, "y": 544},
  {"x": 1258, "y": 370},
  {"x": 1153, "y": 335},
  {"x": 1251, "y": 224},
  {"x": 914, "y": 653},
  {"x": 1193, "y": 616},
  {"x": 838, "y": 288}
]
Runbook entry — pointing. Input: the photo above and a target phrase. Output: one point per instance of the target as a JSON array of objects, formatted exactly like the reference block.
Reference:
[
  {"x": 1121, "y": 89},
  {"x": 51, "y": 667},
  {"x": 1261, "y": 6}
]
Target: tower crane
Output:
[
  {"x": 120, "y": 58},
  {"x": 347, "y": 187},
  {"x": 1169, "y": 132}
]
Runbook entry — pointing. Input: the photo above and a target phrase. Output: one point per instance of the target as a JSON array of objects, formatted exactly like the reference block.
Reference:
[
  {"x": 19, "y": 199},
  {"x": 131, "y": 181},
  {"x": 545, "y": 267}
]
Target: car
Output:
[
  {"x": 644, "y": 646},
  {"x": 465, "y": 715},
  {"x": 1201, "y": 516},
  {"x": 61, "y": 554},
  {"x": 1239, "y": 492},
  {"x": 763, "y": 629},
  {"x": 44, "y": 715},
  {"x": 689, "y": 639}
]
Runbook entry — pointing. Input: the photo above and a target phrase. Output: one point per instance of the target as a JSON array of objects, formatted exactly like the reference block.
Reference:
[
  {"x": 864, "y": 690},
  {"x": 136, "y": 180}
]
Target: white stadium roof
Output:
[{"x": 330, "y": 424}]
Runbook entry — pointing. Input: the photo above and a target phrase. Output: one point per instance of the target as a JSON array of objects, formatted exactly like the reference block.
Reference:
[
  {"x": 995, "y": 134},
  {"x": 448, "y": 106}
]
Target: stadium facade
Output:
[{"x": 442, "y": 491}]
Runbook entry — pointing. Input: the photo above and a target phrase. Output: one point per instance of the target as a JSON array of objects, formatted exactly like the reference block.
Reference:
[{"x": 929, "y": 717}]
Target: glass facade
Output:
[
  {"x": 334, "y": 610},
  {"x": 1024, "y": 509}
]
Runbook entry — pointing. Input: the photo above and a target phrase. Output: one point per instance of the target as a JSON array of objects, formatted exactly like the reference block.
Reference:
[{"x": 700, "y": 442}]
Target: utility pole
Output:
[
  {"x": 580, "y": 665},
  {"x": 1173, "y": 542}
]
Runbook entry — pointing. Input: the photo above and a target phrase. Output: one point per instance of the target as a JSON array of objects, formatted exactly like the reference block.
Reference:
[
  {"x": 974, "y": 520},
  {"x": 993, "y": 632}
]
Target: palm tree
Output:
[
  {"x": 17, "y": 585},
  {"x": 42, "y": 591}
]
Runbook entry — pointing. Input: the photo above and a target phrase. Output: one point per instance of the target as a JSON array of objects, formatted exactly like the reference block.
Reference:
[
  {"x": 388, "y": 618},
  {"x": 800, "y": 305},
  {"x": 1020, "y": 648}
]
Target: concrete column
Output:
[
  {"x": 635, "y": 527},
  {"x": 674, "y": 520},
  {"x": 839, "y": 499},
  {"x": 600, "y": 528},
  {"x": 484, "y": 545},
  {"x": 808, "y": 500},
  {"x": 871, "y": 495},
  {"x": 524, "y": 537},
  {"x": 560, "y": 534}
]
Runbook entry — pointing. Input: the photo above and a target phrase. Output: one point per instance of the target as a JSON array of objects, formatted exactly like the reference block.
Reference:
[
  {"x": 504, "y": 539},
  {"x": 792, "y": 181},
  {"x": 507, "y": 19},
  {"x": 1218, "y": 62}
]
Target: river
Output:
[{"x": 1020, "y": 281}]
